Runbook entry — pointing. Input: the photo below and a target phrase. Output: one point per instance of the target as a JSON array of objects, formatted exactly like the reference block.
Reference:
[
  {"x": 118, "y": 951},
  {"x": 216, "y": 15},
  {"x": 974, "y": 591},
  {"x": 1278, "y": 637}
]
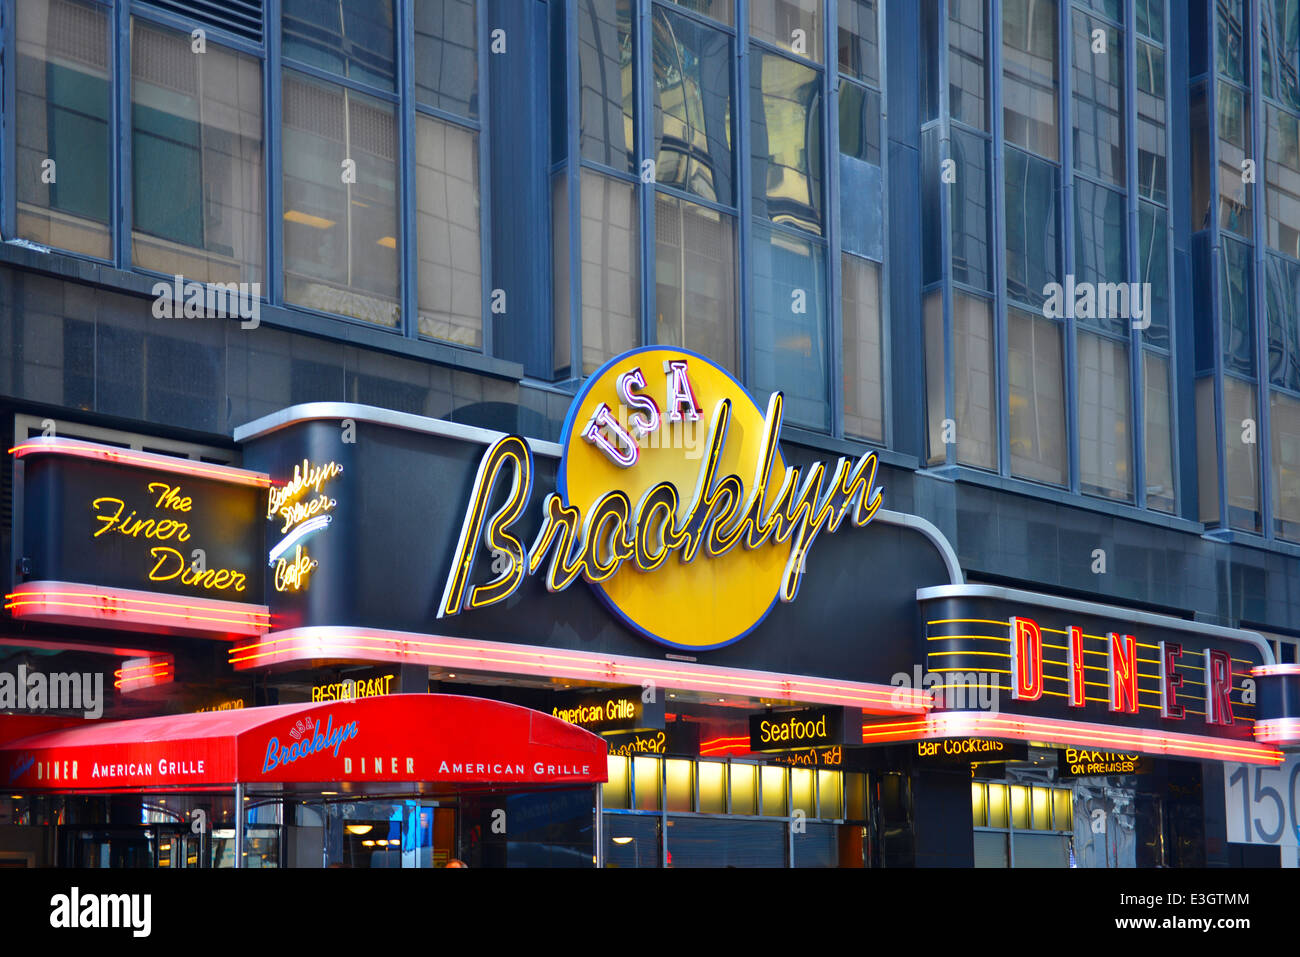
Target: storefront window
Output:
[
  {"x": 1037, "y": 832},
  {"x": 775, "y": 781},
  {"x": 713, "y": 787},
  {"x": 744, "y": 788},
  {"x": 646, "y": 783}
]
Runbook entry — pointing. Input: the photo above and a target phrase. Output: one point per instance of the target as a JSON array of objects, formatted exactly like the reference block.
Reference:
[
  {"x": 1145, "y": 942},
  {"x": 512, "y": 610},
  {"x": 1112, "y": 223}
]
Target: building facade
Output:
[{"x": 1039, "y": 256}]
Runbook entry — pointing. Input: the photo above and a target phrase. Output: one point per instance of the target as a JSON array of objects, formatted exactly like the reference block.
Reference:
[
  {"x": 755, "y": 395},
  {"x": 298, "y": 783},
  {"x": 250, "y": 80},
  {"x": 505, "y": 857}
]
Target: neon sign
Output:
[
  {"x": 619, "y": 513},
  {"x": 298, "y": 516}
]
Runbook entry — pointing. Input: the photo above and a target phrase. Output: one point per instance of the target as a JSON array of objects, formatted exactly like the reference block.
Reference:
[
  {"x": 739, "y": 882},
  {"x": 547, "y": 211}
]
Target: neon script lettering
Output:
[{"x": 332, "y": 737}]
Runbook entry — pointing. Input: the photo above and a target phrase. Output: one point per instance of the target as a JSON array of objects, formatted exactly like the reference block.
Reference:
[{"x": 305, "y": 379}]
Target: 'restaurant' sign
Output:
[
  {"x": 673, "y": 501},
  {"x": 807, "y": 728}
]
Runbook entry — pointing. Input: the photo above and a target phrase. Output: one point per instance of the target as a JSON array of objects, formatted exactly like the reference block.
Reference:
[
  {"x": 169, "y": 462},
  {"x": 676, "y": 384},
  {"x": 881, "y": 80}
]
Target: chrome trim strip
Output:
[{"x": 930, "y": 531}]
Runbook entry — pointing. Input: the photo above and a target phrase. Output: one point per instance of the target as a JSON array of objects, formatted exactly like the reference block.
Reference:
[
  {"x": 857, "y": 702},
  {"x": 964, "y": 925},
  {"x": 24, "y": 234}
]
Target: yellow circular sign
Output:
[{"x": 646, "y": 418}]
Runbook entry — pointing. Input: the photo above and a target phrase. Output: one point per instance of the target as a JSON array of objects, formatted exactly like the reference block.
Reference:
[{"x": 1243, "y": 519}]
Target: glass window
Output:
[
  {"x": 1207, "y": 462},
  {"x": 611, "y": 290},
  {"x": 786, "y": 142},
  {"x": 1036, "y": 402},
  {"x": 802, "y": 796},
  {"x": 1282, "y": 288},
  {"x": 1033, "y": 251},
  {"x": 1099, "y": 257},
  {"x": 617, "y": 789},
  {"x": 936, "y": 407},
  {"x": 861, "y": 203},
  {"x": 1239, "y": 404},
  {"x": 1237, "y": 307},
  {"x": 1151, "y": 19},
  {"x": 979, "y": 804},
  {"x": 971, "y": 215},
  {"x": 1098, "y": 100},
  {"x": 998, "y": 805},
  {"x": 1019, "y": 805},
  {"x": 692, "y": 107},
  {"x": 863, "y": 349},
  {"x": 1284, "y": 413},
  {"x": 790, "y": 351},
  {"x": 61, "y": 135},
  {"x": 1282, "y": 181},
  {"x": 859, "y": 50},
  {"x": 967, "y": 72},
  {"x": 713, "y": 786},
  {"x": 350, "y": 38},
  {"x": 1231, "y": 39},
  {"x": 1234, "y": 150},
  {"x": 705, "y": 842},
  {"x": 1156, "y": 411},
  {"x": 197, "y": 140},
  {"x": 1151, "y": 151},
  {"x": 607, "y": 91},
  {"x": 1029, "y": 44},
  {"x": 695, "y": 279},
  {"x": 991, "y": 849},
  {"x": 446, "y": 55},
  {"x": 447, "y": 232},
  {"x": 340, "y": 237},
  {"x": 1040, "y": 800},
  {"x": 795, "y": 25},
  {"x": 646, "y": 783},
  {"x": 774, "y": 779},
  {"x": 1199, "y": 123},
  {"x": 631, "y": 840},
  {"x": 680, "y": 776},
  {"x": 1040, "y": 850},
  {"x": 1153, "y": 268},
  {"x": 723, "y": 10},
  {"x": 1280, "y": 43},
  {"x": 744, "y": 788},
  {"x": 1105, "y": 443},
  {"x": 973, "y": 392}
]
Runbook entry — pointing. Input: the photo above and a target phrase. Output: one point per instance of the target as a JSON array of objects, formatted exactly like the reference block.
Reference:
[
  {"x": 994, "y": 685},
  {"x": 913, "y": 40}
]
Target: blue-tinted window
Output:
[
  {"x": 786, "y": 141},
  {"x": 1032, "y": 223},
  {"x": 351, "y": 38},
  {"x": 1099, "y": 253},
  {"x": 1232, "y": 39},
  {"x": 1098, "y": 100},
  {"x": 1237, "y": 308},
  {"x": 1151, "y": 122},
  {"x": 1282, "y": 290},
  {"x": 1280, "y": 50},
  {"x": 858, "y": 45},
  {"x": 1153, "y": 266},
  {"x": 1150, "y": 19},
  {"x": 972, "y": 216},
  {"x": 790, "y": 349},
  {"x": 446, "y": 55},
  {"x": 861, "y": 206}
]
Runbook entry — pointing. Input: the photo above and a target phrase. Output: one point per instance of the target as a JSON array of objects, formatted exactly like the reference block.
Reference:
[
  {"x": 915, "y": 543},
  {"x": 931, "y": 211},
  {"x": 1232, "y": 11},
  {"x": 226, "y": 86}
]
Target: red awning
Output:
[{"x": 409, "y": 738}]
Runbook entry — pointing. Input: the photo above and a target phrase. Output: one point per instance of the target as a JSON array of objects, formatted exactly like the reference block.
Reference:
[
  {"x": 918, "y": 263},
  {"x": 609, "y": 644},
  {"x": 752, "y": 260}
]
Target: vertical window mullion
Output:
[
  {"x": 1137, "y": 407},
  {"x": 408, "y": 275},
  {"x": 947, "y": 298},
  {"x": 483, "y": 58},
  {"x": 744, "y": 194},
  {"x": 644, "y": 149},
  {"x": 1065, "y": 84},
  {"x": 8, "y": 104},
  {"x": 1258, "y": 206},
  {"x": 273, "y": 75},
  {"x": 830, "y": 205},
  {"x": 573, "y": 194},
  {"x": 121, "y": 212}
]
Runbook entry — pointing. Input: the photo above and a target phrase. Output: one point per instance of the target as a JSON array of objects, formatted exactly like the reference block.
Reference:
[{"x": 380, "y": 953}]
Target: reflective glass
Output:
[
  {"x": 446, "y": 55},
  {"x": 1029, "y": 54},
  {"x": 605, "y": 60},
  {"x": 795, "y": 25},
  {"x": 695, "y": 279},
  {"x": 1098, "y": 99},
  {"x": 1033, "y": 251},
  {"x": 971, "y": 215},
  {"x": 859, "y": 50},
  {"x": 1282, "y": 181},
  {"x": 450, "y": 295},
  {"x": 1036, "y": 398},
  {"x": 1234, "y": 149},
  {"x": 967, "y": 63},
  {"x": 1151, "y": 119},
  {"x": 786, "y": 141},
  {"x": 1282, "y": 292},
  {"x": 350, "y": 38},
  {"x": 863, "y": 387},
  {"x": 1158, "y": 423},
  {"x": 611, "y": 254},
  {"x": 1099, "y": 257},
  {"x": 1284, "y": 416},
  {"x": 1153, "y": 269},
  {"x": 1105, "y": 430},
  {"x": 1237, "y": 307}
]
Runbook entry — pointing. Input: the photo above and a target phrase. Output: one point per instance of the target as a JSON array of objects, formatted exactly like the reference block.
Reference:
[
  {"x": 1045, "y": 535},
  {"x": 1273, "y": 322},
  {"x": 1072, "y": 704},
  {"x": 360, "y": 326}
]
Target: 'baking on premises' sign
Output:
[{"x": 673, "y": 502}]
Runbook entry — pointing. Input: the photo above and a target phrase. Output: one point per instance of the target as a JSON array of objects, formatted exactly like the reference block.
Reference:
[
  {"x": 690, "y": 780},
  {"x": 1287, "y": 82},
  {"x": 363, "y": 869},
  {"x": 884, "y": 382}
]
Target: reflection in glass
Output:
[
  {"x": 863, "y": 351},
  {"x": 607, "y": 91},
  {"x": 1036, "y": 398},
  {"x": 967, "y": 70},
  {"x": 1284, "y": 417},
  {"x": 1151, "y": 19},
  {"x": 789, "y": 351},
  {"x": 1231, "y": 40},
  {"x": 859, "y": 51},
  {"x": 1237, "y": 307},
  {"x": 795, "y": 25},
  {"x": 1033, "y": 255},
  {"x": 861, "y": 203},
  {"x": 349, "y": 38},
  {"x": 1282, "y": 290},
  {"x": 695, "y": 279},
  {"x": 1282, "y": 181},
  {"x": 1280, "y": 45},
  {"x": 1234, "y": 149},
  {"x": 971, "y": 216},
  {"x": 1105, "y": 436},
  {"x": 611, "y": 291},
  {"x": 62, "y": 115},
  {"x": 786, "y": 142},
  {"x": 1098, "y": 100},
  {"x": 692, "y": 107},
  {"x": 1153, "y": 269},
  {"x": 1151, "y": 119},
  {"x": 1029, "y": 75},
  {"x": 450, "y": 293},
  {"x": 973, "y": 394},
  {"x": 1240, "y": 402},
  {"x": 446, "y": 55},
  {"x": 1156, "y": 410},
  {"x": 340, "y": 238},
  {"x": 197, "y": 139},
  {"x": 1099, "y": 255}
]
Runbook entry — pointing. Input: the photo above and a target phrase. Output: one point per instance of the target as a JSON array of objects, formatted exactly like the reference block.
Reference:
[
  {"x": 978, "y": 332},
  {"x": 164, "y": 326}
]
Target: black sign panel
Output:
[
  {"x": 964, "y": 751},
  {"x": 807, "y": 728},
  {"x": 617, "y": 710},
  {"x": 118, "y": 526},
  {"x": 1084, "y": 762},
  {"x": 678, "y": 737}
]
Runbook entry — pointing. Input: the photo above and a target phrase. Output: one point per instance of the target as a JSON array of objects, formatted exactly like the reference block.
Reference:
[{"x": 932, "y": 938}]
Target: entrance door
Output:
[
  {"x": 389, "y": 834},
  {"x": 151, "y": 846}
]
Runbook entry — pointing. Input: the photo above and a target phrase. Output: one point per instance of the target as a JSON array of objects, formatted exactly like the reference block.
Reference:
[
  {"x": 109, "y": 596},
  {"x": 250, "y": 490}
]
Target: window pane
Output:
[
  {"x": 1029, "y": 74},
  {"x": 340, "y": 239},
  {"x": 1234, "y": 148},
  {"x": 1040, "y": 808},
  {"x": 1098, "y": 100},
  {"x": 692, "y": 107},
  {"x": 446, "y": 55},
  {"x": 1099, "y": 257},
  {"x": 562, "y": 303},
  {"x": 1153, "y": 266},
  {"x": 1037, "y": 398},
  {"x": 863, "y": 351},
  {"x": 935, "y": 400},
  {"x": 351, "y": 38},
  {"x": 1151, "y": 152},
  {"x": 998, "y": 806},
  {"x": 1151, "y": 19},
  {"x": 723, "y": 10},
  {"x": 646, "y": 775},
  {"x": 1202, "y": 176},
  {"x": 1239, "y": 403},
  {"x": 1159, "y": 432},
  {"x": 774, "y": 791},
  {"x": 859, "y": 50},
  {"x": 973, "y": 394},
  {"x": 744, "y": 788},
  {"x": 1284, "y": 412},
  {"x": 790, "y": 351},
  {"x": 1282, "y": 181},
  {"x": 704, "y": 842},
  {"x": 1105, "y": 443},
  {"x": 1040, "y": 850},
  {"x": 197, "y": 140},
  {"x": 611, "y": 252},
  {"x": 967, "y": 70},
  {"x": 713, "y": 786},
  {"x": 979, "y": 804},
  {"x": 447, "y": 232},
  {"x": 1237, "y": 307},
  {"x": 971, "y": 216},
  {"x": 631, "y": 840},
  {"x": 1033, "y": 252},
  {"x": 1207, "y": 456},
  {"x": 608, "y": 98},
  {"x": 793, "y": 24},
  {"x": 991, "y": 849},
  {"x": 680, "y": 774},
  {"x": 62, "y": 93},
  {"x": 695, "y": 279},
  {"x": 801, "y": 792},
  {"x": 1063, "y": 809},
  {"x": 786, "y": 142},
  {"x": 1019, "y": 805},
  {"x": 1280, "y": 43},
  {"x": 616, "y": 791},
  {"x": 1282, "y": 287},
  {"x": 861, "y": 205},
  {"x": 1231, "y": 39}
]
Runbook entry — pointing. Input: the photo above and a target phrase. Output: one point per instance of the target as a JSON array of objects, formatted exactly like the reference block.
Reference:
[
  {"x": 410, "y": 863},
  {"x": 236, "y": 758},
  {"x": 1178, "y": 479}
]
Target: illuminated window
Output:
[
  {"x": 1036, "y": 833},
  {"x": 774, "y": 781},
  {"x": 680, "y": 794},
  {"x": 615, "y": 790},
  {"x": 645, "y": 783},
  {"x": 830, "y": 787},
  {"x": 712, "y": 776},
  {"x": 801, "y": 791},
  {"x": 744, "y": 788}
]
